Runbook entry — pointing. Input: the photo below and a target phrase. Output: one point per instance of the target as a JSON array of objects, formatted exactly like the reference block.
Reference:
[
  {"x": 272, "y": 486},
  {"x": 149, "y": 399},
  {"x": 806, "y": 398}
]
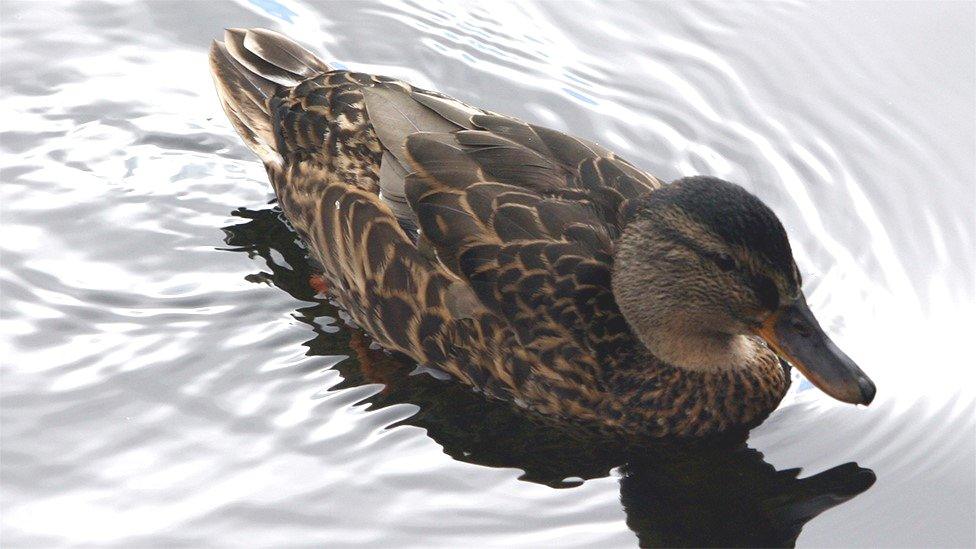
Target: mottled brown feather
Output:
[{"x": 507, "y": 285}]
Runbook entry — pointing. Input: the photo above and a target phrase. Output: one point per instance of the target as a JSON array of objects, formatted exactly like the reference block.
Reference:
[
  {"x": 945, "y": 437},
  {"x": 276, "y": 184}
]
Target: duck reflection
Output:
[{"x": 715, "y": 493}]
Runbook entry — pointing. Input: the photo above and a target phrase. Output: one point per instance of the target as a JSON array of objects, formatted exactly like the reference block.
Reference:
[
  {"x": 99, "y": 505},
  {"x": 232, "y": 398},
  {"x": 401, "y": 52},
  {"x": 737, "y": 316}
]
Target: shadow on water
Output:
[{"x": 717, "y": 494}]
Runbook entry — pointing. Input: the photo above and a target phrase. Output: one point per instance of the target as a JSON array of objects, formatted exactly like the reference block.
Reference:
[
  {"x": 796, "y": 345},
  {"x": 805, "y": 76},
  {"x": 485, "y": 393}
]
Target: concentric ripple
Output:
[{"x": 170, "y": 379}]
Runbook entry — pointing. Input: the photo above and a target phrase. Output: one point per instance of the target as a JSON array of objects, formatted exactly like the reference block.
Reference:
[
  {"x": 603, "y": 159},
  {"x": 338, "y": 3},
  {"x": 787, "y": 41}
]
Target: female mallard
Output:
[{"x": 532, "y": 265}]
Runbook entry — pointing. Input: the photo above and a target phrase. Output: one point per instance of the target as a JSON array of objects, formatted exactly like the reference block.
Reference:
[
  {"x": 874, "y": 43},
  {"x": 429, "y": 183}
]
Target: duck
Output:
[{"x": 535, "y": 267}]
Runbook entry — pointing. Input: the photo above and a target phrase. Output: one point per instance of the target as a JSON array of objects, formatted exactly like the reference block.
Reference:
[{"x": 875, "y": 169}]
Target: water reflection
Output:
[
  {"x": 721, "y": 493},
  {"x": 153, "y": 398}
]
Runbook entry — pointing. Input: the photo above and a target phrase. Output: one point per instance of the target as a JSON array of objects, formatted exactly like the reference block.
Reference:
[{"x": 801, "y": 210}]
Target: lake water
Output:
[{"x": 169, "y": 379}]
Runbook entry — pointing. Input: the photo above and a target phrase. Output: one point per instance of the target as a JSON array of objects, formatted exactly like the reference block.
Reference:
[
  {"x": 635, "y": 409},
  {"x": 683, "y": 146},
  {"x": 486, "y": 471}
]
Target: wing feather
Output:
[
  {"x": 395, "y": 115},
  {"x": 451, "y": 109},
  {"x": 527, "y": 216}
]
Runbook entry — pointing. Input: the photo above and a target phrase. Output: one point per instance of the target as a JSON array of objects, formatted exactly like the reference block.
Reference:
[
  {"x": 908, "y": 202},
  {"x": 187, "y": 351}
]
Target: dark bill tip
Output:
[
  {"x": 796, "y": 336},
  {"x": 868, "y": 390}
]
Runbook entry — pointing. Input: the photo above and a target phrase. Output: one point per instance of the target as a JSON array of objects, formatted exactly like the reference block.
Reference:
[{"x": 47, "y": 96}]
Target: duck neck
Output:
[{"x": 665, "y": 400}]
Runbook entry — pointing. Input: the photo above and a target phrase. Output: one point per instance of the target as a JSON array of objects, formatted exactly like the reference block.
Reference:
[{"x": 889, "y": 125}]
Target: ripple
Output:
[{"x": 159, "y": 390}]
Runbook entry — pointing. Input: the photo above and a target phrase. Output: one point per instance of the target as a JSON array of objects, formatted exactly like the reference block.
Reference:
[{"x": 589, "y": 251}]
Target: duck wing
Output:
[
  {"x": 470, "y": 241},
  {"x": 526, "y": 215}
]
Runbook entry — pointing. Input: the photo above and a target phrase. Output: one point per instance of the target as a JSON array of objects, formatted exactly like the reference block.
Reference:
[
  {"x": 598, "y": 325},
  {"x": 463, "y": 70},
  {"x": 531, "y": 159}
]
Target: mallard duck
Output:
[{"x": 534, "y": 266}]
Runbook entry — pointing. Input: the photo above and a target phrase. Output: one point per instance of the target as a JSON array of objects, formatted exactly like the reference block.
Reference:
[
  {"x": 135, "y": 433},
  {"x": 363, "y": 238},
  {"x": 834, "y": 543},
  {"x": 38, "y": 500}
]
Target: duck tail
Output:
[{"x": 249, "y": 67}]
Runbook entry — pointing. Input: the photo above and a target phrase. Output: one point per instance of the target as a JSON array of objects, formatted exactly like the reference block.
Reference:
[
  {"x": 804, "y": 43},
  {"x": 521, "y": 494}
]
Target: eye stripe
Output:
[
  {"x": 681, "y": 239},
  {"x": 724, "y": 262},
  {"x": 761, "y": 285},
  {"x": 765, "y": 291}
]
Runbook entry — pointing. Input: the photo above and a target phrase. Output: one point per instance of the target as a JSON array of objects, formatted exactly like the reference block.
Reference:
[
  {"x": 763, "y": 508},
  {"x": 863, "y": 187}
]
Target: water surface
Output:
[{"x": 169, "y": 378}]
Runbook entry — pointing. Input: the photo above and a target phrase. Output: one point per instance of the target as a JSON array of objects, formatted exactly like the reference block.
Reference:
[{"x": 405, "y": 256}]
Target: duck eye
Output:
[{"x": 725, "y": 262}]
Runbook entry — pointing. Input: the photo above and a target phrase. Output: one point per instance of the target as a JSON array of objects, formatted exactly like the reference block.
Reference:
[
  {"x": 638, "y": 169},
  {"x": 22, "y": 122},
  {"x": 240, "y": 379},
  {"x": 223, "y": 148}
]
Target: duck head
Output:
[{"x": 705, "y": 276}]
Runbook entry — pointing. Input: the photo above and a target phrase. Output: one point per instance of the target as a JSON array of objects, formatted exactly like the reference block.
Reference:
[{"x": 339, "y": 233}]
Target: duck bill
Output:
[{"x": 796, "y": 336}]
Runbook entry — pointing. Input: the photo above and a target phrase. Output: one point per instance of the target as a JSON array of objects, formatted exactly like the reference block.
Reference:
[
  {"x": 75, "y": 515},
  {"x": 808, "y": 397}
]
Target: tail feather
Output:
[
  {"x": 244, "y": 98},
  {"x": 282, "y": 52},
  {"x": 234, "y": 39},
  {"x": 248, "y": 69}
]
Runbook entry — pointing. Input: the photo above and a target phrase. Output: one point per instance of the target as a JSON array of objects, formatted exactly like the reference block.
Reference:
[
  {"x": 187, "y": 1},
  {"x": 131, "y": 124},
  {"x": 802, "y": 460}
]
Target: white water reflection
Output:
[{"x": 160, "y": 390}]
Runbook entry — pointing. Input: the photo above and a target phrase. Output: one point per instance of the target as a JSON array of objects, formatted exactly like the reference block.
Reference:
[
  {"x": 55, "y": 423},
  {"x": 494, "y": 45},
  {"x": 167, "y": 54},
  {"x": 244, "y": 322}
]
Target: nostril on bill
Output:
[{"x": 801, "y": 327}]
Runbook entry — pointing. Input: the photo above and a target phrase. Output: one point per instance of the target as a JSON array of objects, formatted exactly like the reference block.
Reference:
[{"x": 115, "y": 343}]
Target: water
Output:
[{"x": 160, "y": 389}]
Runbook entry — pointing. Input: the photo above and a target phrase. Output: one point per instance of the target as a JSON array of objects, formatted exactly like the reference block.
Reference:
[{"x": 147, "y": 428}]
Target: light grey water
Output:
[{"x": 159, "y": 388}]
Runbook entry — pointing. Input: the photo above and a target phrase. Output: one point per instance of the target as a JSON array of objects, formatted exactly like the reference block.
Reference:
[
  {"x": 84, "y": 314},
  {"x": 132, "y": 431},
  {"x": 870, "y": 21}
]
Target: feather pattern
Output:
[{"x": 506, "y": 284}]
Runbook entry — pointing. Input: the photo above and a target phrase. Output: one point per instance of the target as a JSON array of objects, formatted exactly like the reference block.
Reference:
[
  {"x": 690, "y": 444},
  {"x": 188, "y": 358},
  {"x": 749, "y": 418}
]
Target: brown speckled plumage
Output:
[{"x": 507, "y": 284}]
